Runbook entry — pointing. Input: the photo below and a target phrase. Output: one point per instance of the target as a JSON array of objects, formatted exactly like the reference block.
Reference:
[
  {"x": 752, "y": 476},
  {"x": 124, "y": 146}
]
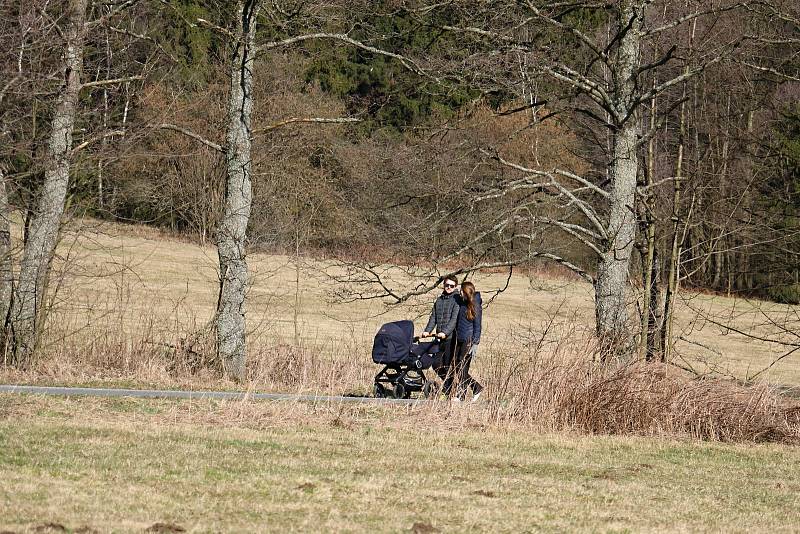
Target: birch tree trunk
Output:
[
  {"x": 612, "y": 274},
  {"x": 6, "y": 265},
  {"x": 231, "y": 234},
  {"x": 27, "y": 313}
]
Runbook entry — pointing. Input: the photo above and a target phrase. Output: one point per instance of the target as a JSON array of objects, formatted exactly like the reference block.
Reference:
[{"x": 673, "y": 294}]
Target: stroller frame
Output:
[{"x": 399, "y": 381}]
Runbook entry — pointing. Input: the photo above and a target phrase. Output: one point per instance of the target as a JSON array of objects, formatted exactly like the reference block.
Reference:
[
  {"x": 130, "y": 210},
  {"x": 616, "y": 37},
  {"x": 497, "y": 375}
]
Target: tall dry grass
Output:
[
  {"x": 570, "y": 393},
  {"x": 546, "y": 378},
  {"x": 543, "y": 376},
  {"x": 179, "y": 352},
  {"x": 556, "y": 383}
]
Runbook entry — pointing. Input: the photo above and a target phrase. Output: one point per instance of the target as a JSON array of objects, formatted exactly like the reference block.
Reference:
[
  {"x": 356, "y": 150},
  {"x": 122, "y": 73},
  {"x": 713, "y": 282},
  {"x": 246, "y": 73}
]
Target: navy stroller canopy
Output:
[{"x": 393, "y": 342}]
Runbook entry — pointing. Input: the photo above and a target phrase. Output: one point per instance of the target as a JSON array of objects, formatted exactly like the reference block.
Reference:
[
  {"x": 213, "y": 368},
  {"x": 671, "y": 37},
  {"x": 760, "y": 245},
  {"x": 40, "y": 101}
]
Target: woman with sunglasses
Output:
[
  {"x": 442, "y": 323},
  {"x": 467, "y": 337}
]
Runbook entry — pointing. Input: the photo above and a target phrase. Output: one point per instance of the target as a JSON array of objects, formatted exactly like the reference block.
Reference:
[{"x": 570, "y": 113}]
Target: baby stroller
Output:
[{"x": 404, "y": 359}]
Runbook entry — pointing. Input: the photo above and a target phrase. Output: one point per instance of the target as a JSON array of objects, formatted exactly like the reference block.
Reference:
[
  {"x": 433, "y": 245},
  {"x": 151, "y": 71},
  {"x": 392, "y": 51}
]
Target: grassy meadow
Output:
[
  {"x": 109, "y": 465},
  {"x": 560, "y": 444},
  {"x": 126, "y": 294}
]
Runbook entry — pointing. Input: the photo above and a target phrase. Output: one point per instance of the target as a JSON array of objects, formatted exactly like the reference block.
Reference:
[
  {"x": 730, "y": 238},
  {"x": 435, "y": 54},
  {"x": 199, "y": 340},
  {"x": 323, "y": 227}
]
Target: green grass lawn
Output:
[{"x": 127, "y": 465}]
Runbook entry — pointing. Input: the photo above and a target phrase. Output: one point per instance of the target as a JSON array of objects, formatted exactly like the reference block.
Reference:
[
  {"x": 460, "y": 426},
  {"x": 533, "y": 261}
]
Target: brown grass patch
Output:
[
  {"x": 134, "y": 309},
  {"x": 114, "y": 277},
  {"x": 547, "y": 391},
  {"x": 126, "y": 464},
  {"x": 552, "y": 383},
  {"x": 560, "y": 388}
]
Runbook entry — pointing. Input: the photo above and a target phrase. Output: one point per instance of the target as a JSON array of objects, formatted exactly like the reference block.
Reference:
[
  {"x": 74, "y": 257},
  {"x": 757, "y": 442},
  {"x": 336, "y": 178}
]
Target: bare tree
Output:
[
  {"x": 27, "y": 311},
  {"x": 231, "y": 235},
  {"x": 27, "y": 308},
  {"x": 621, "y": 57},
  {"x": 6, "y": 259}
]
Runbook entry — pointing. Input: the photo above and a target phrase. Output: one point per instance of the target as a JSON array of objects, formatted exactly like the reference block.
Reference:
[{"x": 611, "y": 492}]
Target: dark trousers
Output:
[
  {"x": 462, "y": 358},
  {"x": 454, "y": 368},
  {"x": 444, "y": 364}
]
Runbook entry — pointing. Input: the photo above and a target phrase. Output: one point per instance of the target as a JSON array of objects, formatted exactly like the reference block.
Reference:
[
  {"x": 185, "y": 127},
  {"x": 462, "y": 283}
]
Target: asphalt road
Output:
[{"x": 177, "y": 394}]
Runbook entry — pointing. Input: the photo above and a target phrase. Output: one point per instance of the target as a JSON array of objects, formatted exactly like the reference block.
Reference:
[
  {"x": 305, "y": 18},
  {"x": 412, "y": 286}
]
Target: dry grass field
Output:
[
  {"x": 107, "y": 465},
  {"x": 124, "y": 287},
  {"x": 560, "y": 444}
]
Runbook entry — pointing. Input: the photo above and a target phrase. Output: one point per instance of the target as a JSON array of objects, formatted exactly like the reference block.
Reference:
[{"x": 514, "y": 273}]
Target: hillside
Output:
[{"x": 132, "y": 289}]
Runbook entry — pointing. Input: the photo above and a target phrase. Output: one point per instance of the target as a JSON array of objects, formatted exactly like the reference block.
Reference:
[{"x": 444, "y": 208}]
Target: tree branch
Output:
[
  {"x": 406, "y": 62},
  {"x": 770, "y": 70},
  {"x": 583, "y": 206},
  {"x": 95, "y": 139},
  {"x": 559, "y": 260},
  {"x": 566, "y": 174},
  {"x": 575, "y": 230},
  {"x": 189, "y": 133},
  {"x": 690, "y": 16},
  {"x": 579, "y": 81},
  {"x": 99, "y": 83},
  {"x": 322, "y": 120},
  {"x": 111, "y": 14},
  {"x": 8, "y": 86},
  {"x": 570, "y": 29},
  {"x": 125, "y": 31},
  {"x": 218, "y": 29},
  {"x": 655, "y": 64},
  {"x": 514, "y": 44},
  {"x": 676, "y": 80}
]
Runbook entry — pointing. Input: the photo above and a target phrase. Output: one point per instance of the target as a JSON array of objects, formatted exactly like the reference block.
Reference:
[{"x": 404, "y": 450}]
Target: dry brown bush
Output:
[{"x": 561, "y": 388}]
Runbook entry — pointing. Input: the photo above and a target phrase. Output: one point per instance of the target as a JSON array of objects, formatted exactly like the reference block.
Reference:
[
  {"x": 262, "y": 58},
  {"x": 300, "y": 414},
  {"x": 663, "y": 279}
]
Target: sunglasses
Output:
[{"x": 449, "y": 286}]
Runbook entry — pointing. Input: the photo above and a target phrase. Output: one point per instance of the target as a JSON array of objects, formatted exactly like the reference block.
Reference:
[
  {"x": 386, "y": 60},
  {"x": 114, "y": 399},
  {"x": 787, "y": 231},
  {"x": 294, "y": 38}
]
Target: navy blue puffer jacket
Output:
[{"x": 466, "y": 330}]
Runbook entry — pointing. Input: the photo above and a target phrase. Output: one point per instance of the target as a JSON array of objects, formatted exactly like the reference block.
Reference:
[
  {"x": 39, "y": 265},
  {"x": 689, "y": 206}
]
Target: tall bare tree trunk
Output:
[
  {"x": 654, "y": 323},
  {"x": 675, "y": 252},
  {"x": 675, "y": 255},
  {"x": 612, "y": 275},
  {"x": 6, "y": 265},
  {"x": 231, "y": 235},
  {"x": 27, "y": 312},
  {"x": 645, "y": 345}
]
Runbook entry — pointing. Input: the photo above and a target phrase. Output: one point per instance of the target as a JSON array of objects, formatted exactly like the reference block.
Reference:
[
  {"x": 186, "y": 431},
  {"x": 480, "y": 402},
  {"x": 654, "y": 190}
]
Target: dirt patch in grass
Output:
[
  {"x": 423, "y": 528},
  {"x": 164, "y": 528}
]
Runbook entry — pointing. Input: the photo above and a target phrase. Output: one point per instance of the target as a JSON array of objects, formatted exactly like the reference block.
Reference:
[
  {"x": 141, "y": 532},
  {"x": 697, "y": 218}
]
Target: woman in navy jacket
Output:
[{"x": 467, "y": 337}]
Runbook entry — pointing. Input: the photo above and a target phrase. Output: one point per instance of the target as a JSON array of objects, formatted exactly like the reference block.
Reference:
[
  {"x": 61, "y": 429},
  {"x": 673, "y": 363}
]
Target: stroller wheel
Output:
[
  {"x": 429, "y": 390},
  {"x": 379, "y": 391},
  {"x": 400, "y": 391}
]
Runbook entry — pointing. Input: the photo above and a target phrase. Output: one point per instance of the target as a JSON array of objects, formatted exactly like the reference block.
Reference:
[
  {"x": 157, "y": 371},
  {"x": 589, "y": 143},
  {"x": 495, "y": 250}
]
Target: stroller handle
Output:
[{"x": 417, "y": 338}]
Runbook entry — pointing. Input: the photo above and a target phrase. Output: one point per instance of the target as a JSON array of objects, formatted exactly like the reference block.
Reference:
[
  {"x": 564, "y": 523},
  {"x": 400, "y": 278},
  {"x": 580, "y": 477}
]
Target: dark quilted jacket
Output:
[
  {"x": 444, "y": 314},
  {"x": 466, "y": 330}
]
